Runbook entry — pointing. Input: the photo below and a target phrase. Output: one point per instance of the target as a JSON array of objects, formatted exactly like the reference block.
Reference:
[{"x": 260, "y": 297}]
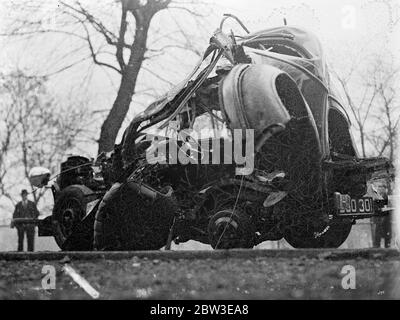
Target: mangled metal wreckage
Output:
[{"x": 308, "y": 184}]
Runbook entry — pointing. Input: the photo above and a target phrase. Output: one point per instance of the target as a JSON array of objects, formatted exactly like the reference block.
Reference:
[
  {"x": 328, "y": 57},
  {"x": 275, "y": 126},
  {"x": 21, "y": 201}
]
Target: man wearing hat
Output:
[{"x": 25, "y": 209}]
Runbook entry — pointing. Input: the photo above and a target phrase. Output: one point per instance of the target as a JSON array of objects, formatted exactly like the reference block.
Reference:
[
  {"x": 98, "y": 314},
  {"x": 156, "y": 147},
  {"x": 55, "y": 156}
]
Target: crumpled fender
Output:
[{"x": 251, "y": 98}]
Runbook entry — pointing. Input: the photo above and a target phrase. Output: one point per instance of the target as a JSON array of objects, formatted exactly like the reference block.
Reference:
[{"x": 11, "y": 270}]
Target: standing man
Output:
[
  {"x": 25, "y": 209},
  {"x": 383, "y": 225}
]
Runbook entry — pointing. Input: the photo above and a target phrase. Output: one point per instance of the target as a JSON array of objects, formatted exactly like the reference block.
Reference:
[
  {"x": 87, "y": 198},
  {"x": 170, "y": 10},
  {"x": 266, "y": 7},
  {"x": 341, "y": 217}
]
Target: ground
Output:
[
  {"x": 360, "y": 237},
  {"x": 235, "y": 274}
]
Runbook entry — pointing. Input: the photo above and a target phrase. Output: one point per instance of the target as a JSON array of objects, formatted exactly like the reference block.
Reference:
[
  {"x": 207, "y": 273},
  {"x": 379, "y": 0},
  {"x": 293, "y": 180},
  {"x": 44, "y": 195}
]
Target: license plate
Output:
[{"x": 348, "y": 205}]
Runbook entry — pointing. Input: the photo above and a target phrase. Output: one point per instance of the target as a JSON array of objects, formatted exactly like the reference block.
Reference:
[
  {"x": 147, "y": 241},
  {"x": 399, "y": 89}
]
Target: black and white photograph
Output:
[{"x": 213, "y": 151}]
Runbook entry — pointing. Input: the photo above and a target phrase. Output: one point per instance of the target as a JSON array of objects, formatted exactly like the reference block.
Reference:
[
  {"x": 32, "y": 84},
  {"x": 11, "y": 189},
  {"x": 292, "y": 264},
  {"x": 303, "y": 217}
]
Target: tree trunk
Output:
[
  {"x": 362, "y": 138},
  {"x": 117, "y": 114}
]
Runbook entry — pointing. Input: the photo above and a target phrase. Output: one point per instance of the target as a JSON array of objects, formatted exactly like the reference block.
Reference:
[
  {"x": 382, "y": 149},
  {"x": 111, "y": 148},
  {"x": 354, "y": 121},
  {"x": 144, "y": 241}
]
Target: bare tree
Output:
[
  {"x": 374, "y": 106},
  {"x": 38, "y": 131},
  {"x": 121, "y": 47},
  {"x": 8, "y": 124},
  {"x": 384, "y": 81},
  {"x": 360, "y": 110}
]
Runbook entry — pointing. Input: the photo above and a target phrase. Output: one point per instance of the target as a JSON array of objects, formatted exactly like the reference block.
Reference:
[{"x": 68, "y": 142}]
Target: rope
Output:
[{"x": 233, "y": 211}]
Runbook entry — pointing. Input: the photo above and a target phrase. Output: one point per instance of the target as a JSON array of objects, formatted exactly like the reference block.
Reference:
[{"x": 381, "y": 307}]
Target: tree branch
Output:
[{"x": 94, "y": 54}]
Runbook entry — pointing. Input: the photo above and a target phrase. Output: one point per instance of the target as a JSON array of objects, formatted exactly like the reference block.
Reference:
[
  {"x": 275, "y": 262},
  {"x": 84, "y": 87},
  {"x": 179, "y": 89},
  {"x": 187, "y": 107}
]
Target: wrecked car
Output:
[{"x": 267, "y": 94}]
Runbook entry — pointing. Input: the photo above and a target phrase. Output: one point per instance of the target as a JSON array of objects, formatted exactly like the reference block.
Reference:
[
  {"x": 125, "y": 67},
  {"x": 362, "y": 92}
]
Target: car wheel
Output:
[
  {"x": 333, "y": 236},
  {"x": 127, "y": 220},
  {"x": 68, "y": 212}
]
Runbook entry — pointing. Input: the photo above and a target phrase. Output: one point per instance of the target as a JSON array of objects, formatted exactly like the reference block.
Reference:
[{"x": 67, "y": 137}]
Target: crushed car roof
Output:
[
  {"x": 295, "y": 37},
  {"x": 299, "y": 36}
]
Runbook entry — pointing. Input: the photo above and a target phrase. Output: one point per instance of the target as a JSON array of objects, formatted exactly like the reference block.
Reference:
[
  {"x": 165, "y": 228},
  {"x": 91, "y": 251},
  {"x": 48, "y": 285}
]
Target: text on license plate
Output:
[{"x": 347, "y": 205}]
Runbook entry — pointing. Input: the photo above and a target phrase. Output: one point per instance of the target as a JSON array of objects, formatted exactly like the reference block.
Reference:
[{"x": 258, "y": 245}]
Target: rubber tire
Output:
[
  {"x": 334, "y": 237},
  {"x": 71, "y": 192},
  {"x": 127, "y": 220}
]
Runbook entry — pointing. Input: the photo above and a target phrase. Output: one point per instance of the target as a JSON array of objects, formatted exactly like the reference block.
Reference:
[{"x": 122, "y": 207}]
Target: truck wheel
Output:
[
  {"x": 333, "y": 236},
  {"x": 127, "y": 220},
  {"x": 69, "y": 209}
]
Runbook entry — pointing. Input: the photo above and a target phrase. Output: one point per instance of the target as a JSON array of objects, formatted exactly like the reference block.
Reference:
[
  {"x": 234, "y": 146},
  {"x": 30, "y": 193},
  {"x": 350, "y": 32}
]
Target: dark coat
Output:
[{"x": 30, "y": 211}]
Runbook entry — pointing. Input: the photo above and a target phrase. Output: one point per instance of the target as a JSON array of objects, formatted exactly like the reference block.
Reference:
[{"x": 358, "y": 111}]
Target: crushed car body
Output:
[{"x": 267, "y": 94}]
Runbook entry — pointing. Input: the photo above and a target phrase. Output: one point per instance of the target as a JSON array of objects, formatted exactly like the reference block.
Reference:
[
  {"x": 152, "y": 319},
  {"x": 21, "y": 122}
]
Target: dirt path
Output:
[{"x": 237, "y": 274}]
